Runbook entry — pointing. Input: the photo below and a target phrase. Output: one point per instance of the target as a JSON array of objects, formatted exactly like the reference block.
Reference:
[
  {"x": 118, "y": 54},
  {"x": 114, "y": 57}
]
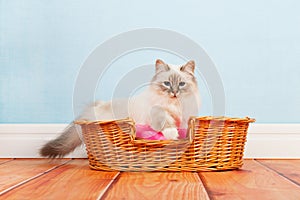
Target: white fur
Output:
[
  {"x": 170, "y": 133},
  {"x": 150, "y": 107}
]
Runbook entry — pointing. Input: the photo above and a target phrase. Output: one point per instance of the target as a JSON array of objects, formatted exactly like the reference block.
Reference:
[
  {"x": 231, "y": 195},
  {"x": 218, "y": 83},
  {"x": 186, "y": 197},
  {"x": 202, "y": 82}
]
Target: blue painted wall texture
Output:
[{"x": 254, "y": 44}]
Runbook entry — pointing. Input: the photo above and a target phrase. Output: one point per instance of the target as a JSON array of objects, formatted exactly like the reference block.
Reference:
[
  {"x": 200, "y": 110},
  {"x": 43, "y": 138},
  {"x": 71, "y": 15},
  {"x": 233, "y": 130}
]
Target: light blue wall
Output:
[{"x": 254, "y": 44}]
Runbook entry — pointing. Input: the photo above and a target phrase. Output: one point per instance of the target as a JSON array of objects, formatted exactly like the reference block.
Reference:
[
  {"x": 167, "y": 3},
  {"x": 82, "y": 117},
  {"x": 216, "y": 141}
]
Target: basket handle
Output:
[{"x": 190, "y": 130}]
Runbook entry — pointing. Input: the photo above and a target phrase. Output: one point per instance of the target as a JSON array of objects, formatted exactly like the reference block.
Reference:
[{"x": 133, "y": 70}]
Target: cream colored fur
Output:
[
  {"x": 168, "y": 102},
  {"x": 161, "y": 110}
]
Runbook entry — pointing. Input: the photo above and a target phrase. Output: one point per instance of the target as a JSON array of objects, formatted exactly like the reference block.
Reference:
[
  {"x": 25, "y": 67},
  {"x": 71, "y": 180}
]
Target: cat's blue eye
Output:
[
  {"x": 167, "y": 83},
  {"x": 181, "y": 84}
]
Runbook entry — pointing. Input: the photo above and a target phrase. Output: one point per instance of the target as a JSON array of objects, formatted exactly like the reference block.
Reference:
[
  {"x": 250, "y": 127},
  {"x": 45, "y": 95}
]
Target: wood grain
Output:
[
  {"x": 253, "y": 181},
  {"x": 4, "y": 160},
  {"x": 19, "y": 171},
  {"x": 41, "y": 179},
  {"x": 287, "y": 168},
  {"x": 157, "y": 185},
  {"x": 71, "y": 181}
]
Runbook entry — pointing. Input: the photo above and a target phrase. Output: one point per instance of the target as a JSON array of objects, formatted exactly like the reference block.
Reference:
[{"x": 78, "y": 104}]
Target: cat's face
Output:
[{"x": 174, "y": 81}]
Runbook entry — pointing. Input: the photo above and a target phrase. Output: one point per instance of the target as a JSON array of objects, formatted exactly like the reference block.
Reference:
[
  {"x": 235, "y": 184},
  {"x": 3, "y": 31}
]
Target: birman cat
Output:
[{"x": 166, "y": 105}]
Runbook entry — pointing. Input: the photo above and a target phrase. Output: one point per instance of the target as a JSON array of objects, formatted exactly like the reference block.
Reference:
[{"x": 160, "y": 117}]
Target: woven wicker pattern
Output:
[{"x": 212, "y": 143}]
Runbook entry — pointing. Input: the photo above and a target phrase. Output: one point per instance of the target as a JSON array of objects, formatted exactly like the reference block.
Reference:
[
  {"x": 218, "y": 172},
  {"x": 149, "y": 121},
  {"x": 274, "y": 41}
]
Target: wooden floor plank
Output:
[
  {"x": 287, "y": 168},
  {"x": 41, "y": 179},
  {"x": 5, "y": 160},
  {"x": 18, "y": 171},
  {"x": 75, "y": 180},
  {"x": 253, "y": 181},
  {"x": 157, "y": 185}
]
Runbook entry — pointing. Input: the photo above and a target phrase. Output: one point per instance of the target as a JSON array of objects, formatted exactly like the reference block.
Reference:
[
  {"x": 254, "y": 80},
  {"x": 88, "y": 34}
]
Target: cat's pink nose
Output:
[{"x": 174, "y": 94}]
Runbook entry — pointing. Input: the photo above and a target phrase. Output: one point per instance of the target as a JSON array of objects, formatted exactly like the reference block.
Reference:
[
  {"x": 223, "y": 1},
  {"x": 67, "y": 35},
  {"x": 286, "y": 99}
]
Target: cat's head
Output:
[{"x": 174, "y": 81}]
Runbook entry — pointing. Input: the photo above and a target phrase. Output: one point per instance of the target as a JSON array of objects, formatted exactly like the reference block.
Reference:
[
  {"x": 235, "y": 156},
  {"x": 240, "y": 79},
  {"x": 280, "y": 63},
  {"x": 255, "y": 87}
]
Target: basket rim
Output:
[
  {"x": 86, "y": 122},
  {"x": 223, "y": 118},
  {"x": 201, "y": 118}
]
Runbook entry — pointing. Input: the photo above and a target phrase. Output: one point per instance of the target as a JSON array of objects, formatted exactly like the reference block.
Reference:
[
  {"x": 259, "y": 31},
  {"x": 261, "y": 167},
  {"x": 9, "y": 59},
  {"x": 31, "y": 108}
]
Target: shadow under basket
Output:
[{"x": 211, "y": 144}]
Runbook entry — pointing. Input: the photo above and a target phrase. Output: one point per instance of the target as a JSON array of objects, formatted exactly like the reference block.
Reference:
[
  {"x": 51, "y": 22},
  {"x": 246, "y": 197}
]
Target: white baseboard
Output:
[
  {"x": 264, "y": 140},
  {"x": 25, "y": 140},
  {"x": 273, "y": 141}
]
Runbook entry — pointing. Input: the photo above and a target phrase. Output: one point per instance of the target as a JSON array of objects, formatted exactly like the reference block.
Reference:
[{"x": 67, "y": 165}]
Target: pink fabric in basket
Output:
[{"x": 146, "y": 132}]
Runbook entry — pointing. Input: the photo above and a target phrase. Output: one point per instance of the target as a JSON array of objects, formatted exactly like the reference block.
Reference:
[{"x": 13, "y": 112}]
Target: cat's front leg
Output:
[
  {"x": 158, "y": 118},
  {"x": 162, "y": 121}
]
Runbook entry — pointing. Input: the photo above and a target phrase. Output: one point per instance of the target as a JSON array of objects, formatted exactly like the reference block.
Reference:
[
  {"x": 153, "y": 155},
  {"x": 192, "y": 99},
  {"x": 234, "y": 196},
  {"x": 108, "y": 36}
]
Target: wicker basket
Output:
[{"x": 212, "y": 144}]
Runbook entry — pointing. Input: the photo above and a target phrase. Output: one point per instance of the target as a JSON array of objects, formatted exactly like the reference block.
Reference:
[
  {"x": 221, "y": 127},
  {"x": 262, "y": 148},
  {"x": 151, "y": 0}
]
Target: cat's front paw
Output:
[{"x": 170, "y": 133}]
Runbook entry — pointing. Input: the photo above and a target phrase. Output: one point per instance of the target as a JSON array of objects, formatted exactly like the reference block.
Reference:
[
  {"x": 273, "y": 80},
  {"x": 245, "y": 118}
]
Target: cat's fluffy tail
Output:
[{"x": 62, "y": 145}]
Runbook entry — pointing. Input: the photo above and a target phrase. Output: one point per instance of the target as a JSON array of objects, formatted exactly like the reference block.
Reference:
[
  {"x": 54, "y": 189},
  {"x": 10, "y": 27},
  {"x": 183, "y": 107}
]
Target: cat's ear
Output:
[
  {"x": 160, "y": 66},
  {"x": 188, "y": 67}
]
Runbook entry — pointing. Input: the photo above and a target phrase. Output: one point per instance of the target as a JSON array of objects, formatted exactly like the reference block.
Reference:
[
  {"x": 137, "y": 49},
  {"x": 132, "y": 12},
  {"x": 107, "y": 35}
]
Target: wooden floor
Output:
[{"x": 72, "y": 179}]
